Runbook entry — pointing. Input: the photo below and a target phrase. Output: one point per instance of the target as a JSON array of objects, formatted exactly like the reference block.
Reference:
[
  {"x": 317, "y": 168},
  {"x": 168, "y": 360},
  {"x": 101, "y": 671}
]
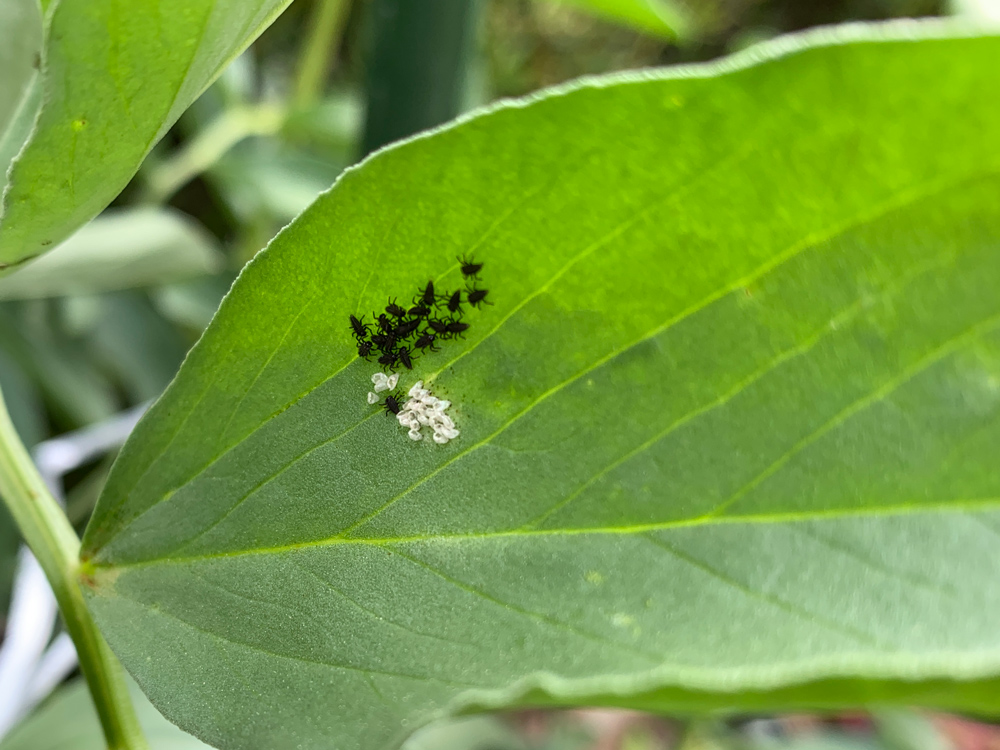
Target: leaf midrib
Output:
[{"x": 949, "y": 507}]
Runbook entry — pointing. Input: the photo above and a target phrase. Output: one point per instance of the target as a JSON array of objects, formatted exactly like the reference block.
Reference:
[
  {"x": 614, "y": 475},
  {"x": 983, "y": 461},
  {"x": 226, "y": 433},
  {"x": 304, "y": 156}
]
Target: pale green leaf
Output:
[
  {"x": 116, "y": 77},
  {"x": 192, "y": 303},
  {"x": 76, "y": 393},
  {"x": 903, "y": 729},
  {"x": 28, "y": 416},
  {"x": 68, "y": 722},
  {"x": 20, "y": 58},
  {"x": 133, "y": 341},
  {"x": 728, "y": 432},
  {"x": 120, "y": 250},
  {"x": 20, "y": 46},
  {"x": 467, "y": 733}
]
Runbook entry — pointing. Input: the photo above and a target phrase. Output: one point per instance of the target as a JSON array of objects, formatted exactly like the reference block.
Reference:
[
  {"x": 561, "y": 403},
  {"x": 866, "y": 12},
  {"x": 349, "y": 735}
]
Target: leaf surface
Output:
[
  {"x": 728, "y": 432},
  {"x": 115, "y": 78}
]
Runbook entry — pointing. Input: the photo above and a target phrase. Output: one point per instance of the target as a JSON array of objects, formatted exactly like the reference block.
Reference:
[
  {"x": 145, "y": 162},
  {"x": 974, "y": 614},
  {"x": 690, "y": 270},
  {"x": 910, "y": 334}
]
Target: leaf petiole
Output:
[{"x": 48, "y": 533}]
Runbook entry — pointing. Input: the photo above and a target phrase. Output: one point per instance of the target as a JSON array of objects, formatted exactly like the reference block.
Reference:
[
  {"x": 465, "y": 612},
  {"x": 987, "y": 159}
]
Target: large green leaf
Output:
[
  {"x": 116, "y": 78},
  {"x": 728, "y": 434}
]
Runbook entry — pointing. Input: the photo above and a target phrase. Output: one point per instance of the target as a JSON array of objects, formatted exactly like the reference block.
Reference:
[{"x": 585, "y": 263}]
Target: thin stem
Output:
[
  {"x": 206, "y": 148},
  {"x": 325, "y": 28},
  {"x": 56, "y": 547}
]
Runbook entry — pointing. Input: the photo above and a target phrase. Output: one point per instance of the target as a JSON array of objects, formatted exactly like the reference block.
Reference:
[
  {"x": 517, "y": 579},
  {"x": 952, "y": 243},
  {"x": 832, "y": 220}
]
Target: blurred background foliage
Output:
[{"x": 103, "y": 322}]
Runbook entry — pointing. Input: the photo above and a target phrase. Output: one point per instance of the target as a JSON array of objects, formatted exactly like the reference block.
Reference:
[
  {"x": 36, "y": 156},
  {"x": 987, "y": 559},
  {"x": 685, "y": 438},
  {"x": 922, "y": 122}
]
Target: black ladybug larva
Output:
[
  {"x": 395, "y": 310},
  {"x": 477, "y": 297},
  {"x": 469, "y": 267},
  {"x": 392, "y": 404},
  {"x": 360, "y": 329}
]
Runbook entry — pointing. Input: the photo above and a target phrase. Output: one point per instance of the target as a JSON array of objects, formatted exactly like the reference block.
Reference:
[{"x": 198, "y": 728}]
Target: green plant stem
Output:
[
  {"x": 417, "y": 66},
  {"x": 208, "y": 146},
  {"x": 55, "y": 545},
  {"x": 325, "y": 28}
]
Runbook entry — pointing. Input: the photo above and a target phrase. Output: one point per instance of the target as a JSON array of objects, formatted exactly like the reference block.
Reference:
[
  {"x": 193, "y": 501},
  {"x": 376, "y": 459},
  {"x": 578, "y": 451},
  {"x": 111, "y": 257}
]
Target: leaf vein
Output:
[
  {"x": 905, "y": 576},
  {"x": 809, "y": 243},
  {"x": 964, "y": 506},
  {"x": 843, "y": 317},
  {"x": 770, "y": 599},
  {"x": 317, "y": 662},
  {"x": 375, "y": 615},
  {"x": 949, "y": 347},
  {"x": 545, "y": 619}
]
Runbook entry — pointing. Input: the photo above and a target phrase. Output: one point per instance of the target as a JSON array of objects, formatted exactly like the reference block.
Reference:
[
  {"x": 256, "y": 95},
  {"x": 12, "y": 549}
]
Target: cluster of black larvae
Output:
[{"x": 398, "y": 336}]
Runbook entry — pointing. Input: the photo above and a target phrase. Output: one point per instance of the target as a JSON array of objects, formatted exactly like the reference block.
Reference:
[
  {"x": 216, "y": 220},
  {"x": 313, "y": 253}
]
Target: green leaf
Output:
[
  {"x": 135, "y": 343},
  {"x": 20, "y": 43},
  {"x": 665, "y": 18},
  {"x": 25, "y": 403},
  {"x": 903, "y": 729},
  {"x": 68, "y": 720},
  {"x": 76, "y": 393},
  {"x": 268, "y": 178},
  {"x": 28, "y": 416},
  {"x": 119, "y": 250},
  {"x": 193, "y": 303},
  {"x": 20, "y": 55},
  {"x": 728, "y": 432},
  {"x": 115, "y": 79},
  {"x": 466, "y": 733}
]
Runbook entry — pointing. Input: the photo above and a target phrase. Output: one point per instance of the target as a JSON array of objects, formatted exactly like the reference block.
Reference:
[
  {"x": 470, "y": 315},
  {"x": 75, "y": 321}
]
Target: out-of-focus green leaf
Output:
[
  {"x": 775, "y": 734},
  {"x": 140, "y": 347},
  {"x": 82, "y": 496},
  {"x": 20, "y": 50},
  {"x": 20, "y": 58},
  {"x": 706, "y": 734},
  {"x": 665, "y": 18},
  {"x": 119, "y": 250},
  {"x": 728, "y": 430},
  {"x": 27, "y": 414},
  {"x": 815, "y": 740},
  {"x": 116, "y": 78},
  {"x": 68, "y": 722},
  {"x": 10, "y": 541},
  {"x": 904, "y": 729},
  {"x": 192, "y": 303},
  {"x": 418, "y": 66},
  {"x": 274, "y": 178},
  {"x": 333, "y": 123},
  {"x": 467, "y": 733},
  {"x": 23, "y": 400},
  {"x": 76, "y": 393}
]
